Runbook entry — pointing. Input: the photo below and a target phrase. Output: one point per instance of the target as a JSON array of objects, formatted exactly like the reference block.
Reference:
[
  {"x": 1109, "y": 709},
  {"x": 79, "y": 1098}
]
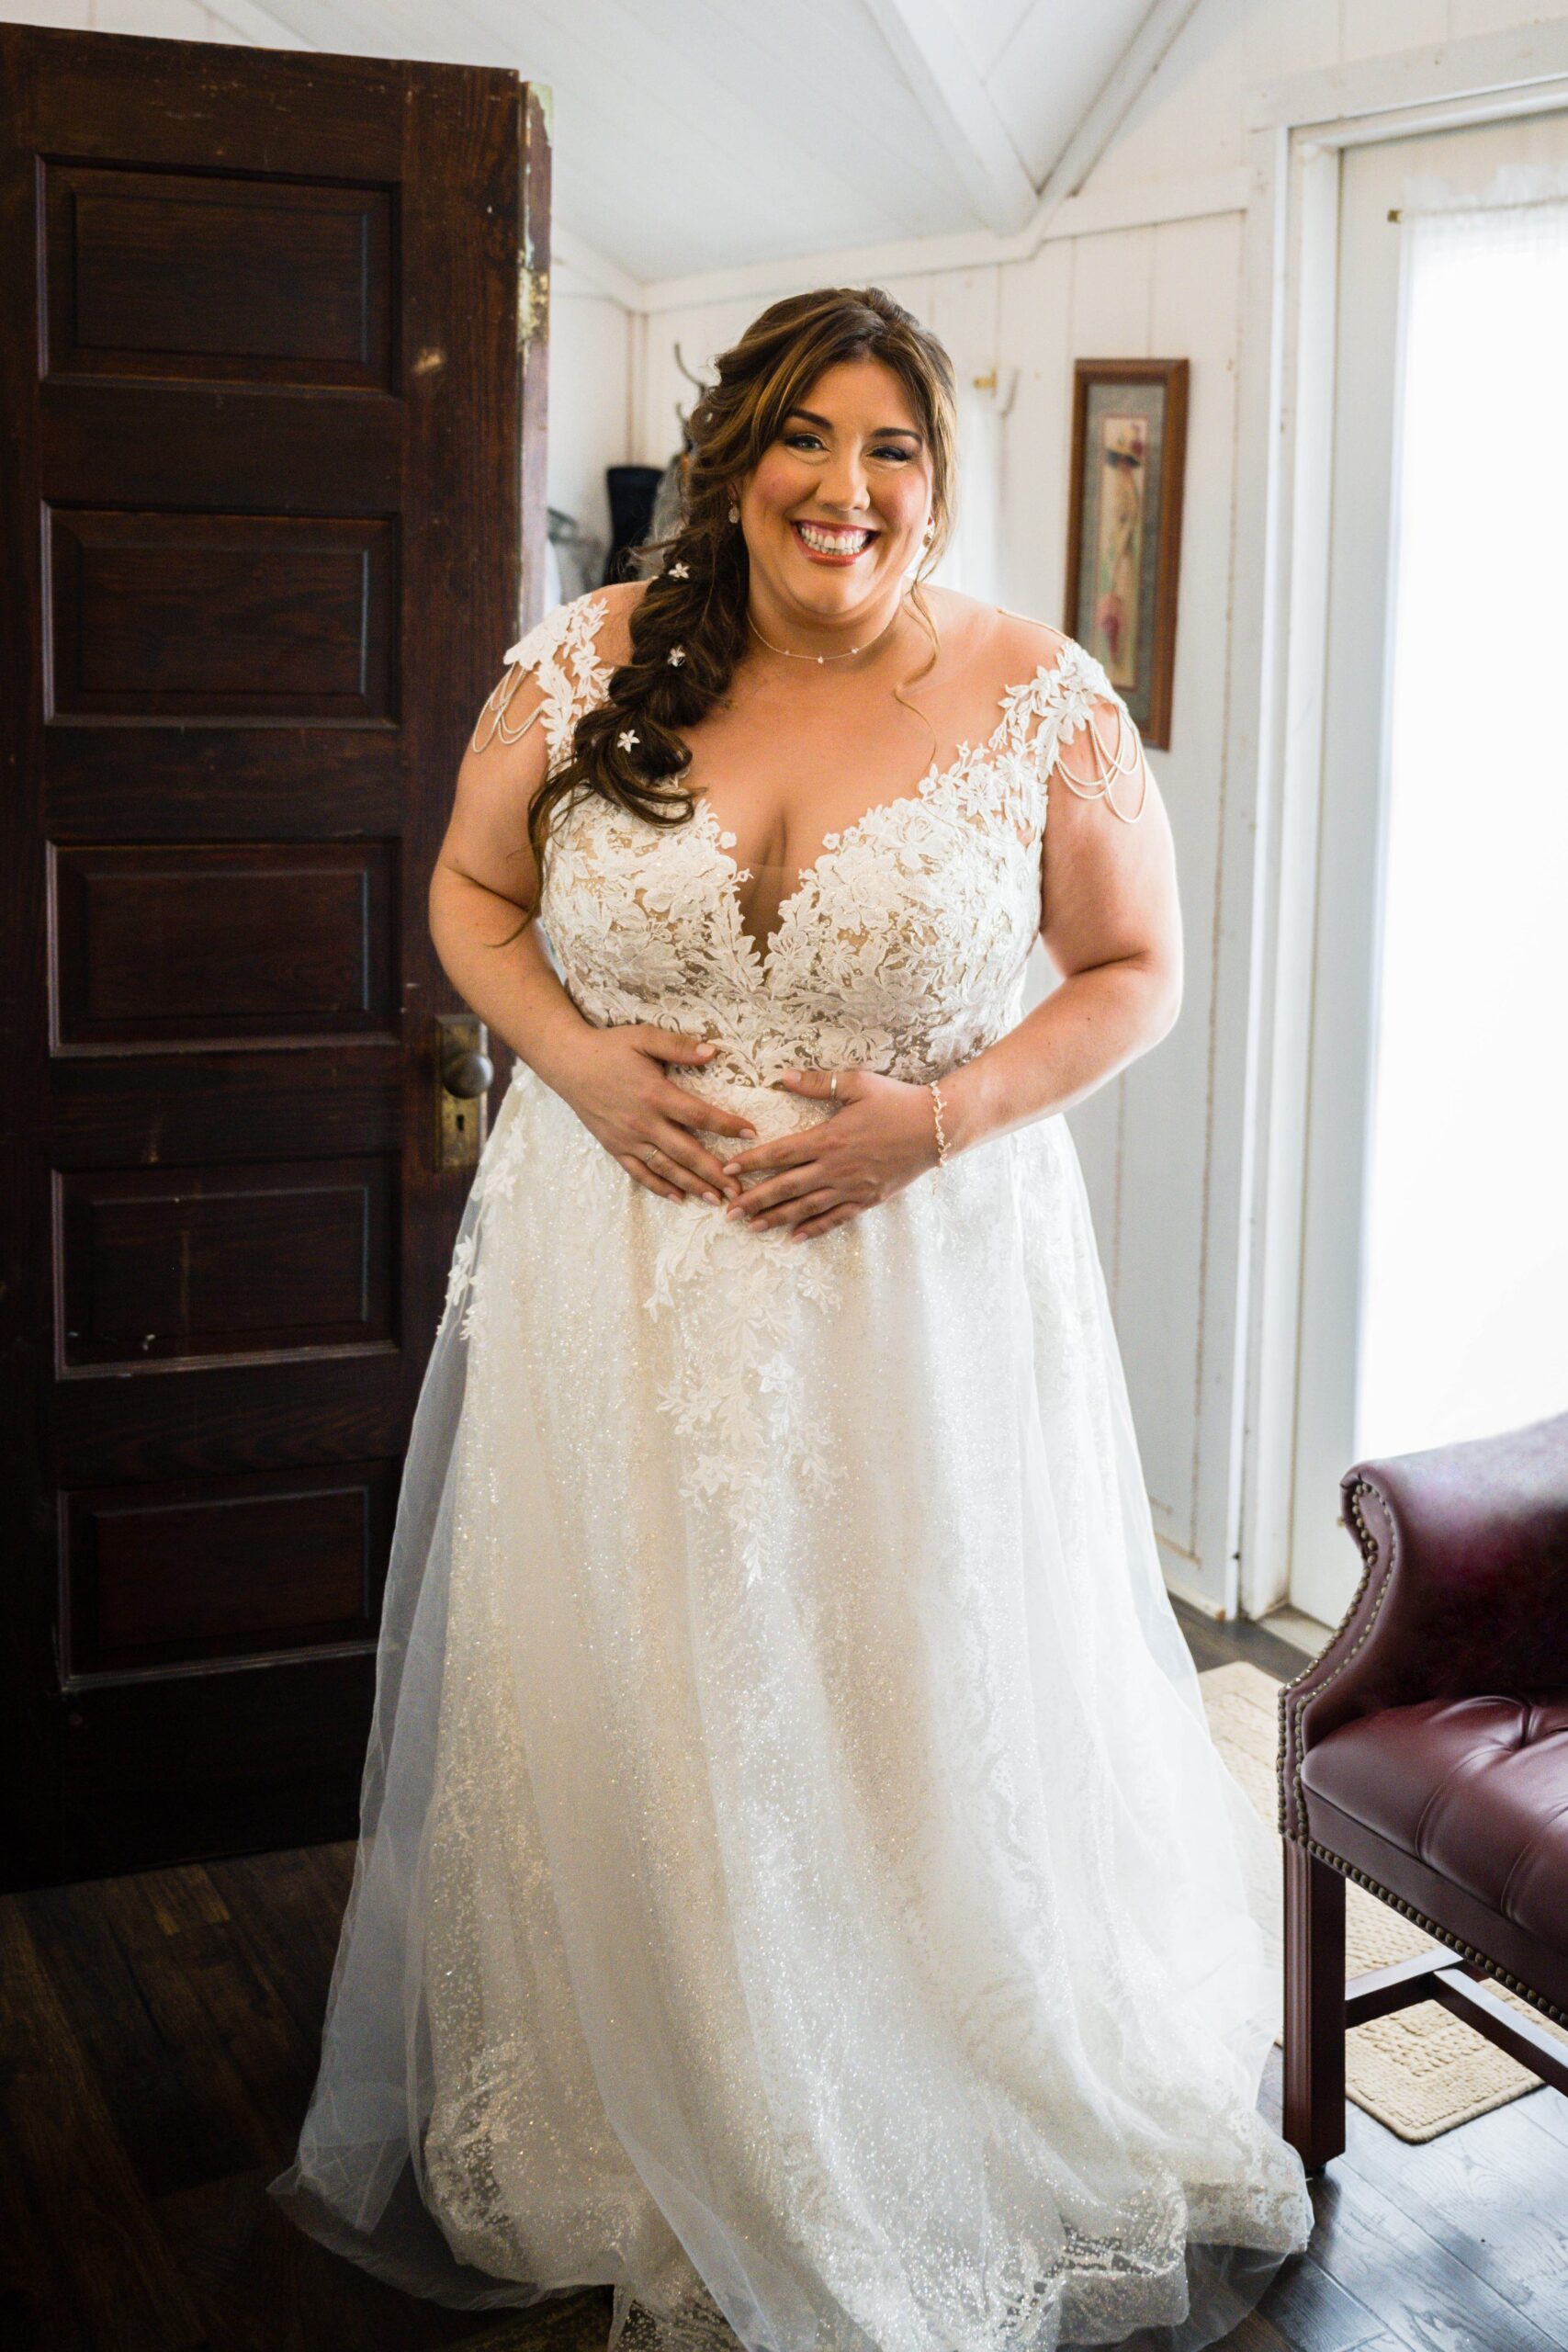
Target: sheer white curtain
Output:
[{"x": 1465, "y": 1299}]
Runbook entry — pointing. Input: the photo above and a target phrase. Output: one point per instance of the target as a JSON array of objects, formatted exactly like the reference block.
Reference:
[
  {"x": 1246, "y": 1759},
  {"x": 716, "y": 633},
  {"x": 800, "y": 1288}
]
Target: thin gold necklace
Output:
[{"x": 790, "y": 655}]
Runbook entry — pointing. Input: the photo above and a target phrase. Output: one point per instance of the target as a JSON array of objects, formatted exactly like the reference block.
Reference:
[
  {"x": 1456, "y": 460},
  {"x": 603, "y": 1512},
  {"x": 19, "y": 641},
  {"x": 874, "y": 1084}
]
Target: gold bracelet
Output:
[{"x": 941, "y": 1130}]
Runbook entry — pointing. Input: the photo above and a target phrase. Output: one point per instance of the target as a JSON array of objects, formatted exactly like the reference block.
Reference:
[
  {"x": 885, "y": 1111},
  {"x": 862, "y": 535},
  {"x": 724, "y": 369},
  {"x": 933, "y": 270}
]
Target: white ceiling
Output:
[{"x": 696, "y": 135}]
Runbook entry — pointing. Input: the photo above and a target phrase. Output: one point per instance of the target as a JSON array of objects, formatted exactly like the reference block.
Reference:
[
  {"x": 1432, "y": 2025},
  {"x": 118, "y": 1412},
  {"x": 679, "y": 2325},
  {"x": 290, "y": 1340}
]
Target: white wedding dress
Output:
[{"x": 796, "y": 1883}]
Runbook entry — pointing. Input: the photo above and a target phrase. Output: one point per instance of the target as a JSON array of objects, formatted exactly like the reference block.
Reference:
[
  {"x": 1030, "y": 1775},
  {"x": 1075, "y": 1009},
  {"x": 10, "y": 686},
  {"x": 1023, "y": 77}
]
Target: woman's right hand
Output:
[
  {"x": 619, "y": 1089},
  {"x": 484, "y": 880}
]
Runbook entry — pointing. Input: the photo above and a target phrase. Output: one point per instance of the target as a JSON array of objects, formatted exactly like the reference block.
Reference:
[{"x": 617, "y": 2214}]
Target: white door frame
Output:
[{"x": 1296, "y": 131}]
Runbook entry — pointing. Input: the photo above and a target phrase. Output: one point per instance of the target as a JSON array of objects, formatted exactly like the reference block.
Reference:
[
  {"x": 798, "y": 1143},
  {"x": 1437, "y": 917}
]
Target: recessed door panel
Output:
[
  {"x": 181, "y": 1572},
  {"x": 191, "y": 943},
  {"x": 265, "y": 617},
  {"x": 169, "y": 1262},
  {"x": 198, "y": 277}
]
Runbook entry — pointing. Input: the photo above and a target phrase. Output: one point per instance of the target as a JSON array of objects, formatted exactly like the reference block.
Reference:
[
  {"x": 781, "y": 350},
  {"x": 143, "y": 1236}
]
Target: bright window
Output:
[{"x": 1465, "y": 1283}]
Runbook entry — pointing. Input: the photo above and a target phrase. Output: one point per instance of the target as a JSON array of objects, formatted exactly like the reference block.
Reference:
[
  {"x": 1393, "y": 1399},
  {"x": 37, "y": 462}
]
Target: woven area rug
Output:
[{"x": 1420, "y": 2071}]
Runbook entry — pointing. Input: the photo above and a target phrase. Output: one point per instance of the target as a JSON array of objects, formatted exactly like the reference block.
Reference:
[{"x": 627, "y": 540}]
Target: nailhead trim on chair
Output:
[
  {"x": 1337, "y": 1861},
  {"x": 1370, "y": 1560},
  {"x": 1444, "y": 1935}
]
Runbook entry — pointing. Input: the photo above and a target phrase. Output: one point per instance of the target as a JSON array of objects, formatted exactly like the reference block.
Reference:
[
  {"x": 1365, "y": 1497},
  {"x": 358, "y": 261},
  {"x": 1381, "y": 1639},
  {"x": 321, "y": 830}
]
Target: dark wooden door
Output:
[{"x": 274, "y": 404}]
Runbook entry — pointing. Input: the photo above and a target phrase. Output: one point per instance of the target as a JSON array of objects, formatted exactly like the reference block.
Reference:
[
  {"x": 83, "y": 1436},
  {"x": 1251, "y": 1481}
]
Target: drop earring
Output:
[{"x": 734, "y": 512}]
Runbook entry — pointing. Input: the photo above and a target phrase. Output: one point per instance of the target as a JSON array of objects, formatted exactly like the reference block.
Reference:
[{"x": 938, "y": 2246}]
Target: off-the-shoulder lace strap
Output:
[
  {"x": 561, "y": 652},
  {"x": 1068, "y": 698}
]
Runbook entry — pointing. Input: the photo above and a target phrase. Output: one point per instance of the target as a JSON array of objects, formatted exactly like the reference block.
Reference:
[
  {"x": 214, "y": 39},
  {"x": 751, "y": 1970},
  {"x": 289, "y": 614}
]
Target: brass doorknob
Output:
[{"x": 465, "y": 1073}]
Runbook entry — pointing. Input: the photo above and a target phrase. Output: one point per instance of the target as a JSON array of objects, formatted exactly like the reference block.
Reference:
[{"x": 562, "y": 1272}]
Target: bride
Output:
[{"x": 796, "y": 1885}]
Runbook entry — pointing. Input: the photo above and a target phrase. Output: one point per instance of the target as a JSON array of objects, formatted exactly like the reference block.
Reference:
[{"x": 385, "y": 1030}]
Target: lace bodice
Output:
[{"x": 903, "y": 947}]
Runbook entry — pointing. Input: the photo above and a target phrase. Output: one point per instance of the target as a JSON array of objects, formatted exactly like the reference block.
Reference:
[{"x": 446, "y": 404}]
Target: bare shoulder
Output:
[
  {"x": 990, "y": 642},
  {"x": 1023, "y": 644}
]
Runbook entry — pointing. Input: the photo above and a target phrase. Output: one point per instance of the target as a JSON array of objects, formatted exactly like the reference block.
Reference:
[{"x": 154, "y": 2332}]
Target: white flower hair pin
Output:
[
  {"x": 628, "y": 738},
  {"x": 677, "y": 655},
  {"x": 679, "y": 571}
]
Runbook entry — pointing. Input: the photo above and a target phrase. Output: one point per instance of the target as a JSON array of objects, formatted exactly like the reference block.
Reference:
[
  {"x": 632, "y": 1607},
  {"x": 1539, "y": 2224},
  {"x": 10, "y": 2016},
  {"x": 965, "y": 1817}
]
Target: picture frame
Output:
[{"x": 1129, "y": 456}]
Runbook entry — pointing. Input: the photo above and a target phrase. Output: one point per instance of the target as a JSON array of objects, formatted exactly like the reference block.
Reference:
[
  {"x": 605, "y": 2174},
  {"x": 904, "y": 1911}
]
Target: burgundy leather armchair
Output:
[{"x": 1425, "y": 1754}]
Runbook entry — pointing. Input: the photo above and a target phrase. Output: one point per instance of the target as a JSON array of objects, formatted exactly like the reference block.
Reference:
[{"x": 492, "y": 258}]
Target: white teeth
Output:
[{"x": 834, "y": 542}]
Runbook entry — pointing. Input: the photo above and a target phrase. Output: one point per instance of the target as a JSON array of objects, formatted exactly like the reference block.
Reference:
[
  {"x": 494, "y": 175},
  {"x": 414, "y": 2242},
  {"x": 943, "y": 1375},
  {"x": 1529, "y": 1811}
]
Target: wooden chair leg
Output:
[{"x": 1314, "y": 2007}]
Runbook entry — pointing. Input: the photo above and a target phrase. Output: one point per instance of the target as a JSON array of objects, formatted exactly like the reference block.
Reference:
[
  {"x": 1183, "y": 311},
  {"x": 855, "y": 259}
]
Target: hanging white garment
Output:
[{"x": 797, "y": 1885}]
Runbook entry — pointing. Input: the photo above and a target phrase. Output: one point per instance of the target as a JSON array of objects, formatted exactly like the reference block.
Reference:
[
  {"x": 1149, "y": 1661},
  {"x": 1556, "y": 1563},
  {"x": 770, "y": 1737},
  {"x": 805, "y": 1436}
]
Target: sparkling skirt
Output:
[{"x": 797, "y": 1885}]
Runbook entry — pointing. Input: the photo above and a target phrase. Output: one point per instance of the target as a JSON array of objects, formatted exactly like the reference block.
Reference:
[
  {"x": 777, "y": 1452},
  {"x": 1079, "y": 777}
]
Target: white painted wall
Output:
[{"x": 589, "y": 398}]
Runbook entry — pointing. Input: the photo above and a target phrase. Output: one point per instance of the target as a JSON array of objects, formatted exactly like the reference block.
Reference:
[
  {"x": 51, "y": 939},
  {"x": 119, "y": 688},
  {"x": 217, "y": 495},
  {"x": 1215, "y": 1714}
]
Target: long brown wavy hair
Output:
[{"x": 761, "y": 378}]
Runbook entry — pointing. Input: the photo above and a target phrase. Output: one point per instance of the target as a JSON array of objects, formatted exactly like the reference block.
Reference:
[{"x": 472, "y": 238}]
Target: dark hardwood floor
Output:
[{"x": 158, "y": 2042}]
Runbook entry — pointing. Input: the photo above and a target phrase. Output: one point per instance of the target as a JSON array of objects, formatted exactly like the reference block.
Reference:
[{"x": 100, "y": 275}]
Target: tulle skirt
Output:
[{"x": 797, "y": 1885}]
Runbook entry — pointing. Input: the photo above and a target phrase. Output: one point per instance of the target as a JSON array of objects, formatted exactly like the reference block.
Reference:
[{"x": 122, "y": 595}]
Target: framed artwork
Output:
[{"x": 1124, "y": 527}]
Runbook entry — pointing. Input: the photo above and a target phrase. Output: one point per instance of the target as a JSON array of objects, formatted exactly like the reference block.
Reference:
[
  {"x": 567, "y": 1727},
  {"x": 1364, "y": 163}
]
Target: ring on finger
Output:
[{"x": 833, "y": 1087}]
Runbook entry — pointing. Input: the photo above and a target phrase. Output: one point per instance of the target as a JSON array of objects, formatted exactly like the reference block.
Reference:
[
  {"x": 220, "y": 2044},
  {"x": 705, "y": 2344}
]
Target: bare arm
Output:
[
  {"x": 1111, "y": 921},
  {"x": 485, "y": 879}
]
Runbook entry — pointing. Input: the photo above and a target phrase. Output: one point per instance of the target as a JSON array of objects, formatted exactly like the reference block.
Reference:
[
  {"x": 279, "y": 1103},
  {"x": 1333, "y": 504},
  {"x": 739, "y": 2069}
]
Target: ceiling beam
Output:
[
  {"x": 1128, "y": 79},
  {"x": 930, "y": 52}
]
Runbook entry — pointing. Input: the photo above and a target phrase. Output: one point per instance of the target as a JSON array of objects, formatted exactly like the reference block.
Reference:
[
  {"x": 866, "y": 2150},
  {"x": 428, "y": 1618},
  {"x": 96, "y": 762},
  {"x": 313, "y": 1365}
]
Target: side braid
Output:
[{"x": 695, "y": 612}]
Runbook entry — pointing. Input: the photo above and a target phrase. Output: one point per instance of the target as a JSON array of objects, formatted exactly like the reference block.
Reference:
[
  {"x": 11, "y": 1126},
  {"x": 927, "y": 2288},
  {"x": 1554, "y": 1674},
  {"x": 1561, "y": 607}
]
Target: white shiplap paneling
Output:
[
  {"x": 1111, "y": 296},
  {"x": 1169, "y": 1164}
]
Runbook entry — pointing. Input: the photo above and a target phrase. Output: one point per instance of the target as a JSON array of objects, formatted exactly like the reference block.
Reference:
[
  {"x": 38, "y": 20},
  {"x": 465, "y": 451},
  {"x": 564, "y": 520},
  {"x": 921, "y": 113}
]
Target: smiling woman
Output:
[
  {"x": 853, "y": 496},
  {"x": 797, "y": 1884},
  {"x": 828, "y": 538}
]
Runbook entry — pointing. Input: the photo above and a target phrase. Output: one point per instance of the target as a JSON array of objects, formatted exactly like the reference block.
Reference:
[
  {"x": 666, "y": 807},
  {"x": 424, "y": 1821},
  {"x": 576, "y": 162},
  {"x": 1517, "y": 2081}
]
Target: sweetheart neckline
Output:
[{"x": 757, "y": 960}]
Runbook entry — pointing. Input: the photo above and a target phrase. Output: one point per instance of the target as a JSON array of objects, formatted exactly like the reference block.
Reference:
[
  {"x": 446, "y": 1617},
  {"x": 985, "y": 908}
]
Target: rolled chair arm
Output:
[{"x": 1464, "y": 1592}]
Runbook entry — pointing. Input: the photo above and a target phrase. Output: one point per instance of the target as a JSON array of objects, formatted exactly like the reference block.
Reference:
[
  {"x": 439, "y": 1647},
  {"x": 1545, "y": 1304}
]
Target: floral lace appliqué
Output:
[
  {"x": 559, "y": 651},
  {"x": 902, "y": 949}
]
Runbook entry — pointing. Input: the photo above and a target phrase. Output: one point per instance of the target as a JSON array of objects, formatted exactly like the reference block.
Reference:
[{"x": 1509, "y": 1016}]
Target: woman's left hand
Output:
[{"x": 880, "y": 1139}]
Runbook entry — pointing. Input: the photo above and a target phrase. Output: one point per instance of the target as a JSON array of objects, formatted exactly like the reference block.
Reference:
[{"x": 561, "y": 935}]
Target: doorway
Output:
[
  {"x": 1433, "y": 1262},
  {"x": 270, "y": 406}
]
